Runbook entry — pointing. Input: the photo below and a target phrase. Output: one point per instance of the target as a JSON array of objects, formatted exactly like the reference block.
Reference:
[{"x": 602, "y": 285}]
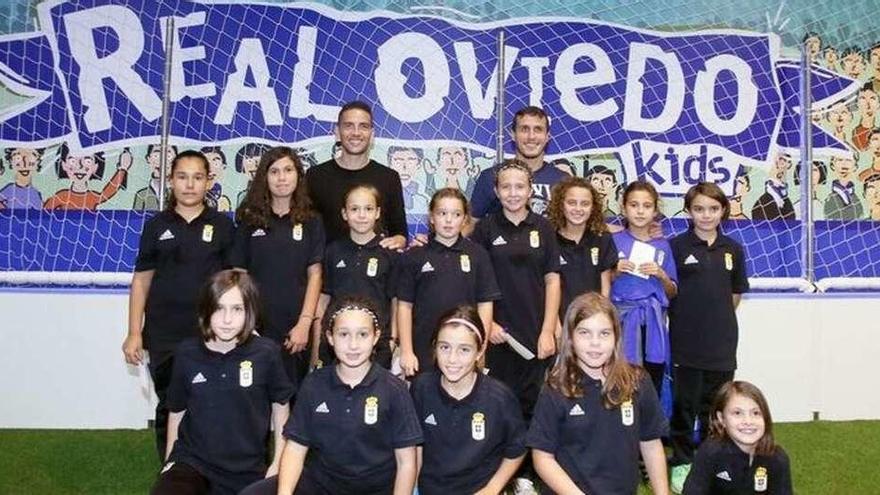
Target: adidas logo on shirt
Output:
[
  {"x": 690, "y": 260},
  {"x": 341, "y": 264},
  {"x": 166, "y": 235},
  {"x": 723, "y": 475},
  {"x": 621, "y": 254},
  {"x": 430, "y": 420},
  {"x": 258, "y": 233},
  {"x": 427, "y": 267},
  {"x": 322, "y": 408},
  {"x": 200, "y": 378},
  {"x": 562, "y": 260},
  {"x": 499, "y": 241},
  {"x": 576, "y": 411}
]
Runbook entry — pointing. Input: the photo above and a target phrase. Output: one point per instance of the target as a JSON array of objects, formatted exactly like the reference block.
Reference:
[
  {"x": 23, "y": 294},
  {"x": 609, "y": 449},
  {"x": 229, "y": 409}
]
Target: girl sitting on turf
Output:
[
  {"x": 473, "y": 428},
  {"x": 740, "y": 455},
  {"x": 225, "y": 387},
  {"x": 353, "y": 429},
  {"x": 597, "y": 412}
]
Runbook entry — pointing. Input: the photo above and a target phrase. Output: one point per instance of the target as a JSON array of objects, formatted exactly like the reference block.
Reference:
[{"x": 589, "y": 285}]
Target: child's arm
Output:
[
  {"x": 323, "y": 302},
  {"x": 292, "y": 460},
  {"x": 655, "y": 465},
  {"x": 280, "y": 413},
  {"x": 394, "y": 332},
  {"x": 552, "y": 473},
  {"x": 133, "y": 346},
  {"x": 298, "y": 337},
  {"x": 405, "y": 480},
  {"x": 605, "y": 283},
  {"x": 486, "y": 311},
  {"x": 408, "y": 360},
  {"x": 499, "y": 480},
  {"x": 174, "y": 419},
  {"x": 552, "y": 296}
]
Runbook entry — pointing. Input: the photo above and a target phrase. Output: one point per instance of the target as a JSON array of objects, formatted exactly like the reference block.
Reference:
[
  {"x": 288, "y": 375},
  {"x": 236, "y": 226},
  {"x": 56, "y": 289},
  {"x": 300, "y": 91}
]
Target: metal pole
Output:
[
  {"x": 806, "y": 174},
  {"x": 166, "y": 104},
  {"x": 499, "y": 101}
]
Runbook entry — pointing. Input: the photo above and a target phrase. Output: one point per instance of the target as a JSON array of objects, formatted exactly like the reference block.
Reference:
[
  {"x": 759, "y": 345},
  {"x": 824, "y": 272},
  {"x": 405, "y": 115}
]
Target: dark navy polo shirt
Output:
[
  {"x": 278, "y": 257},
  {"x": 352, "y": 433},
  {"x": 435, "y": 279},
  {"x": 581, "y": 264},
  {"x": 597, "y": 447},
  {"x": 521, "y": 255},
  {"x": 228, "y": 402},
  {"x": 484, "y": 201},
  {"x": 703, "y": 330},
  {"x": 466, "y": 440},
  {"x": 721, "y": 468},
  {"x": 366, "y": 270},
  {"x": 183, "y": 256}
]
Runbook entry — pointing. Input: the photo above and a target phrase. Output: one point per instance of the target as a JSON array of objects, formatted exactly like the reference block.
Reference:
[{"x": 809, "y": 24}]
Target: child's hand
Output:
[
  {"x": 650, "y": 268},
  {"x": 496, "y": 335},
  {"x": 546, "y": 345},
  {"x": 626, "y": 265},
  {"x": 409, "y": 363},
  {"x": 133, "y": 349},
  {"x": 298, "y": 337}
]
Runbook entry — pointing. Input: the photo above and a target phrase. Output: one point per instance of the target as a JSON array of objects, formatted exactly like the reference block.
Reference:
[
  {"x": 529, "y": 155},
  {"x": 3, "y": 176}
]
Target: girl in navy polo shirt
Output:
[
  {"x": 703, "y": 330},
  {"x": 280, "y": 242},
  {"x": 597, "y": 412},
  {"x": 353, "y": 429},
  {"x": 472, "y": 424},
  {"x": 447, "y": 272},
  {"x": 740, "y": 457},
  {"x": 644, "y": 282},
  {"x": 225, "y": 387},
  {"x": 359, "y": 265},
  {"x": 180, "y": 248},
  {"x": 588, "y": 254}
]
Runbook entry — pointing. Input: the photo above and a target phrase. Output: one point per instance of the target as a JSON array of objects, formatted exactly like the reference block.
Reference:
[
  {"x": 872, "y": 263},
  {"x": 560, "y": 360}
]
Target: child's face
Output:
[
  {"x": 353, "y": 337},
  {"x": 577, "y": 206},
  {"x": 706, "y": 213},
  {"x": 457, "y": 352},
  {"x": 227, "y": 322},
  {"x": 361, "y": 211},
  {"x": 743, "y": 422},
  {"x": 282, "y": 178},
  {"x": 448, "y": 218},
  {"x": 639, "y": 208},
  {"x": 593, "y": 343},
  {"x": 513, "y": 190},
  {"x": 189, "y": 182}
]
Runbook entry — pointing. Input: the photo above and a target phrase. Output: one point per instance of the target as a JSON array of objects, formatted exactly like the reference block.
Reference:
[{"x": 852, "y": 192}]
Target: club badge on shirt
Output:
[
  {"x": 371, "y": 410},
  {"x": 660, "y": 257},
  {"x": 594, "y": 255},
  {"x": 465, "y": 263},
  {"x": 761, "y": 479},
  {"x": 478, "y": 426},
  {"x": 728, "y": 261},
  {"x": 627, "y": 416},
  {"x": 208, "y": 233},
  {"x": 246, "y": 373},
  {"x": 534, "y": 239},
  {"x": 372, "y": 267},
  {"x": 298, "y": 232}
]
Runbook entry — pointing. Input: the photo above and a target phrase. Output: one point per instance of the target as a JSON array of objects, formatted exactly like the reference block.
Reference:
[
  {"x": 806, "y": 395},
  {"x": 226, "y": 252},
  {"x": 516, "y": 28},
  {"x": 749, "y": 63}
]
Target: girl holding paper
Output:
[{"x": 644, "y": 281}]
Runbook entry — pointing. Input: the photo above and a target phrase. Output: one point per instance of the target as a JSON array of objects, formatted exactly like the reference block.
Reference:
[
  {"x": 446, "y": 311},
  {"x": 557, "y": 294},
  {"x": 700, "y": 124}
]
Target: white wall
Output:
[{"x": 61, "y": 365}]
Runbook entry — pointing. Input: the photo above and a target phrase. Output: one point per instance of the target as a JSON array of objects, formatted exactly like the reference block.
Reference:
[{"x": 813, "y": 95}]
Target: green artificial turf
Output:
[{"x": 827, "y": 458}]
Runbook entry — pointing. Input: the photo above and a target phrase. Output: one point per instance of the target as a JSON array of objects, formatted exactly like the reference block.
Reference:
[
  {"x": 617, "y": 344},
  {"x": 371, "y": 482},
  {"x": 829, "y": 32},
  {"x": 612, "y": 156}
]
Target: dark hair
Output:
[
  {"x": 874, "y": 177},
  {"x": 853, "y": 50},
  {"x": 532, "y": 111},
  {"x": 710, "y": 190},
  {"x": 766, "y": 445},
  {"x": 170, "y": 200},
  {"x": 556, "y": 211},
  {"x": 641, "y": 185},
  {"x": 868, "y": 86},
  {"x": 811, "y": 34},
  {"x": 467, "y": 152},
  {"x": 513, "y": 164},
  {"x": 601, "y": 170},
  {"x": 64, "y": 154},
  {"x": 256, "y": 207},
  {"x": 395, "y": 149},
  {"x": 152, "y": 147},
  {"x": 341, "y": 304},
  {"x": 249, "y": 150},
  {"x": 449, "y": 192},
  {"x": 218, "y": 285},
  {"x": 215, "y": 150},
  {"x": 8, "y": 152},
  {"x": 823, "y": 172},
  {"x": 470, "y": 319},
  {"x": 355, "y": 105}
]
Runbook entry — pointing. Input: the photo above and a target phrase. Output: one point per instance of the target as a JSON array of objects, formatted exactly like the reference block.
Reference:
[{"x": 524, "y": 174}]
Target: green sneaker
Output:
[{"x": 679, "y": 475}]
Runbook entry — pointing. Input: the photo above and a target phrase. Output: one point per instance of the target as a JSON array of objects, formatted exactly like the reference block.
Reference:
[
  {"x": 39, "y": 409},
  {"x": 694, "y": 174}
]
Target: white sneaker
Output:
[{"x": 524, "y": 486}]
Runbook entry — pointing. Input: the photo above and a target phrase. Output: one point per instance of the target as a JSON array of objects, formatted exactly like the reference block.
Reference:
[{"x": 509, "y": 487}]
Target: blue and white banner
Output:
[{"x": 677, "y": 107}]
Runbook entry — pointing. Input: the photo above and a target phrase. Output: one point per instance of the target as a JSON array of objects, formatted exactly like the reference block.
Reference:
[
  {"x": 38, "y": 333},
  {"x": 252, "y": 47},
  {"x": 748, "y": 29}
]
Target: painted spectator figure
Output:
[
  {"x": 24, "y": 163},
  {"x": 148, "y": 197},
  {"x": 80, "y": 169},
  {"x": 741, "y": 187},
  {"x": 868, "y": 104},
  {"x": 842, "y": 202},
  {"x": 871, "y": 190},
  {"x": 217, "y": 162},
  {"x": 775, "y": 204},
  {"x": 604, "y": 181},
  {"x": 406, "y": 161},
  {"x": 853, "y": 63},
  {"x": 455, "y": 168},
  {"x": 839, "y": 120}
]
